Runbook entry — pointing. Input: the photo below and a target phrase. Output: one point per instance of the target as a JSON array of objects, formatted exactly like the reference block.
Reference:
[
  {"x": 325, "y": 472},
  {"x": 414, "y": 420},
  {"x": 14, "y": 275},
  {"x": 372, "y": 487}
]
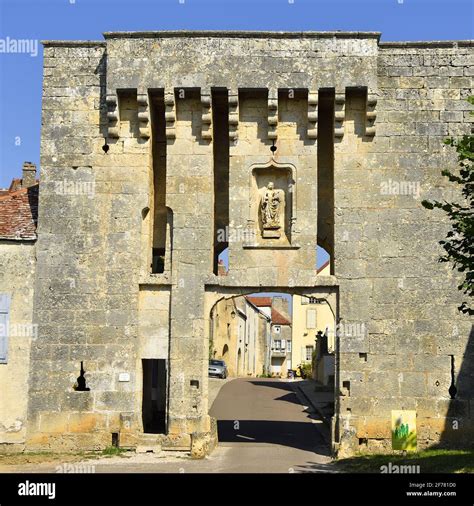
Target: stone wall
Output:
[
  {"x": 87, "y": 281},
  {"x": 386, "y": 252},
  {"x": 93, "y": 274}
]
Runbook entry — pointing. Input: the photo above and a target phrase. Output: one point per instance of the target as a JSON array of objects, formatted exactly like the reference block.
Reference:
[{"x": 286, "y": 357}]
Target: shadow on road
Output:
[
  {"x": 273, "y": 383},
  {"x": 286, "y": 387},
  {"x": 247, "y": 412},
  {"x": 300, "y": 435}
]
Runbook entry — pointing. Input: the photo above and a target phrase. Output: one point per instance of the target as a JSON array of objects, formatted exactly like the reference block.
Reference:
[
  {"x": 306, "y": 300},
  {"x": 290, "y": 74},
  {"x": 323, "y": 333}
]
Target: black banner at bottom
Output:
[{"x": 236, "y": 489}]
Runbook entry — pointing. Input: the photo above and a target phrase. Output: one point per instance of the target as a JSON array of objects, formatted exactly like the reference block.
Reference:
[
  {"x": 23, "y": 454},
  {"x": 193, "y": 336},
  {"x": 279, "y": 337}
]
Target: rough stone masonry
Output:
[{"x": 163, "y": 141}]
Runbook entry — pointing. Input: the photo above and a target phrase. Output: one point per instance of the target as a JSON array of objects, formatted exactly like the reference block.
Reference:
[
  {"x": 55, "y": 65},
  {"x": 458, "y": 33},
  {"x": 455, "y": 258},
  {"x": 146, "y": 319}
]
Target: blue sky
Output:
[{"x": 21, "y": 74}]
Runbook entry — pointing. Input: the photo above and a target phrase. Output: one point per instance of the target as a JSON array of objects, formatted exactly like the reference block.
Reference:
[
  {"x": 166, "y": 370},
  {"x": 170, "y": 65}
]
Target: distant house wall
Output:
[
  {"x": 308, "y": 319},
  {"x": 17, "y": 268}
]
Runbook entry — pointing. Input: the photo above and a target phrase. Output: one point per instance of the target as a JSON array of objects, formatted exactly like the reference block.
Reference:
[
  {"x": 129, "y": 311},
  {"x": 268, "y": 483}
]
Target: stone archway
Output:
[{"x": 225, "y": 351}]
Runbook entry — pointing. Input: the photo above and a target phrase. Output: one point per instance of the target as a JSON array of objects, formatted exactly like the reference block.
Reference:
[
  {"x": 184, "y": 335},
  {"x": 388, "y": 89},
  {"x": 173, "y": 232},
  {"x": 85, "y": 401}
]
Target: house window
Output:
[
  {"x": 309, "y": 353},
  {"x": 310, "y": 300},
  {"x": 288, "y": 346},
  {"x": 277, "y": 329},
  {"x": 277, "y": 344},
  {"x": 4, "y": 317},
  {"x": 311, "y": 318}
]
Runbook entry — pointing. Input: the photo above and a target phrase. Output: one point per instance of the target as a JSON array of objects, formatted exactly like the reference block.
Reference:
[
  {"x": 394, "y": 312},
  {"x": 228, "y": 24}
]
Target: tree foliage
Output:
[{"x": 458, "y": 244}]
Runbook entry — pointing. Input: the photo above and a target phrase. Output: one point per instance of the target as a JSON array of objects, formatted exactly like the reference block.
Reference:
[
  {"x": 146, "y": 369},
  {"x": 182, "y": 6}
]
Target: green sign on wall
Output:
[{"x": 404, "y": 430}]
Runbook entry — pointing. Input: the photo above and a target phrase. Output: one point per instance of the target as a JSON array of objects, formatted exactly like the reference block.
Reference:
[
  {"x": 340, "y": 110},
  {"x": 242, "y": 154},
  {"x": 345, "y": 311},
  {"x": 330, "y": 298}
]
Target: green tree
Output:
[{"x": 458, "y": 245}]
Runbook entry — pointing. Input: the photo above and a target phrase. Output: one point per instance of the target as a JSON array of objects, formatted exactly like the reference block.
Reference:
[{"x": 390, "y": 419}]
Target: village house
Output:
[
  {"x": 18, "y": 235},
  {"x": 240, "y": 336},
  {"x": 310, "y": 316}
]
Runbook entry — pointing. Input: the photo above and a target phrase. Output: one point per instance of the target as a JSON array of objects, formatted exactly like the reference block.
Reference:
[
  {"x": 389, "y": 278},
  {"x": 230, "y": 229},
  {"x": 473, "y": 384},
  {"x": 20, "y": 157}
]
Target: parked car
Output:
[{"x": 217, "y": 368}]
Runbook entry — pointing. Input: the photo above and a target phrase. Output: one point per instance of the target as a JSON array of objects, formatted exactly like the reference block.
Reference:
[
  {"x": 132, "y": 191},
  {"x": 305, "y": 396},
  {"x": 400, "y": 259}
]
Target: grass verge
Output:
[{"x": 430, "y": 461}]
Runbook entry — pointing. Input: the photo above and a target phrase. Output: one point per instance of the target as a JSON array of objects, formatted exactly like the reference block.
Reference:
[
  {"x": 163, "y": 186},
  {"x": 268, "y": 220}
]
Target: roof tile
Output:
[
  {"x": 19, "y": 214},
  {"x": 278, "y": 318}
]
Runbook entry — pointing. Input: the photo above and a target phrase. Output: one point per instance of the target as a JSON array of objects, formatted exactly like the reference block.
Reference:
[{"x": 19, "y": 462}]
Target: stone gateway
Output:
[{"x": 170, "y": 134}]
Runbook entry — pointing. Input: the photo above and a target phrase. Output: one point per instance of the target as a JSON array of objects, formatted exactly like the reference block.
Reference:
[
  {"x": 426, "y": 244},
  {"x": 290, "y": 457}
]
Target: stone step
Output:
[
  {"x": 158, "y": 442},
  {"x": 148, "y": 449}
]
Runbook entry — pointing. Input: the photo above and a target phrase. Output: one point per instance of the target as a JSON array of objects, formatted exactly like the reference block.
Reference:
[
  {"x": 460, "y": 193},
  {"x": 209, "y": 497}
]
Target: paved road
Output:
[
  {"x": 214, "y": 387},
  {"x": 263, "y": 427}
]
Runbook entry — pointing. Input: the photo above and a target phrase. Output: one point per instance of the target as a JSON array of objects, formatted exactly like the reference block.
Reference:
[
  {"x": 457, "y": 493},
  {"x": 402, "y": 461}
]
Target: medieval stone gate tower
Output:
[{"x": 173, "y": 131}]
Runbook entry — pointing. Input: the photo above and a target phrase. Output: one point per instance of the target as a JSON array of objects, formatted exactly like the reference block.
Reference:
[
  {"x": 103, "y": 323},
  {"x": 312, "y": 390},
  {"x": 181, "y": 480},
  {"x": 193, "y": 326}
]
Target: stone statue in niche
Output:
[{"x": 271, "y": 208}]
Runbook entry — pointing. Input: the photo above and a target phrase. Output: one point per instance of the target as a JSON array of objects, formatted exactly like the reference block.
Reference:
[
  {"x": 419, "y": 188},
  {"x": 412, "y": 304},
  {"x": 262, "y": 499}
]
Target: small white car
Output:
[{"x": 217, "y": 368}]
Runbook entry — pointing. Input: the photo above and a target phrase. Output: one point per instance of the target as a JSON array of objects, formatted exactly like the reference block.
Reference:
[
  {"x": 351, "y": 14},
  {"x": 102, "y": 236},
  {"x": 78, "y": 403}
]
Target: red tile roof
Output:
[
  {"x": 19, "y": 214},
  {"x": 15, "y": 184},
  {"x": 260, "y": 301},
  {"x": 278, "y": 318}
]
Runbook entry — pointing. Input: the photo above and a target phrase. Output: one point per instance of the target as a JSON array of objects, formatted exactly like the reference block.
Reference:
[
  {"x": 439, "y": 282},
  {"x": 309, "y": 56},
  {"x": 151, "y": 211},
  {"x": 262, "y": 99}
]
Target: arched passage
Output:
[{"x": 262, "y": 336}]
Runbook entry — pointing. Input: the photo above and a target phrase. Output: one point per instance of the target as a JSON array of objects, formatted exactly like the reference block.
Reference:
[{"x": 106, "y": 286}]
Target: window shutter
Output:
[
  {"x": 311, "y": 318},
  {"x": 4, "y": 318},
  {"x": 283, "y": 343}
]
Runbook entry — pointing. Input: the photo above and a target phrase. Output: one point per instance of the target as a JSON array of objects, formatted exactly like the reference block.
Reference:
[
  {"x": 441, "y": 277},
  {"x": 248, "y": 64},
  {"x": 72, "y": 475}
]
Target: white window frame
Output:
[{"x": 311, "y": 324}]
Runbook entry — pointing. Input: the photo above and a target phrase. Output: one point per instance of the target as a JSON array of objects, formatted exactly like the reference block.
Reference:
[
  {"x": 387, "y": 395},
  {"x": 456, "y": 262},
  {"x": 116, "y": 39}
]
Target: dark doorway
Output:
[{"x": 154, "y": 396}]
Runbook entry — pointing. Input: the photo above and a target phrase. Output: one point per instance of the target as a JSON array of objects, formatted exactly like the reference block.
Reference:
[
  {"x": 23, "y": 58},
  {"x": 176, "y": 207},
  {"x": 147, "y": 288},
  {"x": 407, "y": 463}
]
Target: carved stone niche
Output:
[{"x": 272, "y": 209}]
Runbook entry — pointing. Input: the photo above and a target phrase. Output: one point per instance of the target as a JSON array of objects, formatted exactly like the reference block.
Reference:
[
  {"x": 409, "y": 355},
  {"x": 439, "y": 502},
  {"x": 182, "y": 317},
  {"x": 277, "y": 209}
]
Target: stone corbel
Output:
[
  {"x": 233, "y": 115},
  {"x": 312, "y": 115},
  {"x": 112, "y": 116},
  {"x": 206, "y": 118},
  {"x": 339, "y": 113},
  {"x": 272, "y": 114},
  {"x": 371, "y": 115},
  {"x": 170, "y": 114},
  {"x": 143, "y": 115}
]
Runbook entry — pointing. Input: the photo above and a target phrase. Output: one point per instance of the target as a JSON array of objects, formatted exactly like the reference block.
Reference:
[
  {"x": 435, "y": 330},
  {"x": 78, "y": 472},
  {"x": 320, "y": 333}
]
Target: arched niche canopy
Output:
[{"x": 272, "y": 207}]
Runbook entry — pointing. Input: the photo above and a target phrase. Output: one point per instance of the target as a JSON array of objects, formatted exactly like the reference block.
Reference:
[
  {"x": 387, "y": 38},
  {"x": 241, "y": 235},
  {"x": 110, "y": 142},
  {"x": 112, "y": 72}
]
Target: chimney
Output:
[
  {"x": 282, "y": 306},
  {"x": 29, "y": 175},
  {"x": 221, "y": 269}
]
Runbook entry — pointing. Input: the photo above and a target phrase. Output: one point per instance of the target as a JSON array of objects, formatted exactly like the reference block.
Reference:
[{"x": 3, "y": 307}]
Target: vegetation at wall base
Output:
[{"x": 430, "y": 461}]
